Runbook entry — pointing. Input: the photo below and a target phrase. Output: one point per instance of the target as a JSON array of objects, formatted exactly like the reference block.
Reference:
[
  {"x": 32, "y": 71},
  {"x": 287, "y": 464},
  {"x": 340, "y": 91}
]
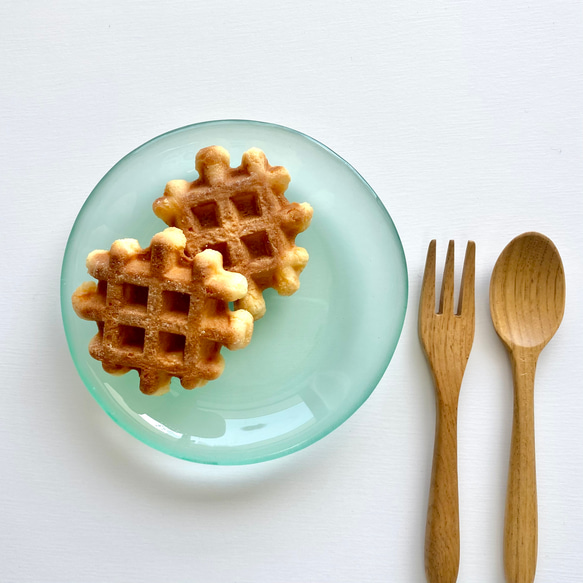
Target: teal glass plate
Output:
[{"x": 314, "y": 358}]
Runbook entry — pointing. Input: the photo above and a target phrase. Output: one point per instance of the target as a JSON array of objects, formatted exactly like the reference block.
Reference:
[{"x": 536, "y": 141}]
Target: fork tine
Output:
[
  {"x": 466, "y": 304},
  {"x": 446, "y": 298},
  {"x": 428, "y": 285}
]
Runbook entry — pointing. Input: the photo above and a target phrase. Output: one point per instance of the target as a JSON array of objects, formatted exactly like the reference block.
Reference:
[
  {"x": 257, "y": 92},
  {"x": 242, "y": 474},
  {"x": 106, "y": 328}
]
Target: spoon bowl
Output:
[
  {"x": 527, "y": 301},
  {"x": 527, "y": 292}
]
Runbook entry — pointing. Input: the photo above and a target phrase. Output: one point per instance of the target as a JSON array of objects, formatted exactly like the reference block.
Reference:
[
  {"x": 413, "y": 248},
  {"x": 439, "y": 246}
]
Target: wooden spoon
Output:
[{"x": 527, "y": 301}]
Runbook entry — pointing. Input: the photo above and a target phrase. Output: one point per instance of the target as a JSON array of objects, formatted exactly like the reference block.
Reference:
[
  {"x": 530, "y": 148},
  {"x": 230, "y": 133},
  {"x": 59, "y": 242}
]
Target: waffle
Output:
[
  {"x": 162, "y": 313},
  {"x": 243, "y": 213}
]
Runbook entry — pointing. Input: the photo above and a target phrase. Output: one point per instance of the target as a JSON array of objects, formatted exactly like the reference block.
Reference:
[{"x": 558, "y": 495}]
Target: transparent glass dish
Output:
[{"x": 314, "y": 358}]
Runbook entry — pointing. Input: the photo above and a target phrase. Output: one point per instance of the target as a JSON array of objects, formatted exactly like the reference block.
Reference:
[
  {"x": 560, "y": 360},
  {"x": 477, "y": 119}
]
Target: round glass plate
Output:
[{"x": 314, "y": 358}]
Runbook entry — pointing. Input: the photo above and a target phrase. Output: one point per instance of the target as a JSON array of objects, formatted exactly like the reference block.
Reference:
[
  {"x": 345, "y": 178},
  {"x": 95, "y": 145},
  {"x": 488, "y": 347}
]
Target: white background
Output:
[{"x": 465, "y": 117}]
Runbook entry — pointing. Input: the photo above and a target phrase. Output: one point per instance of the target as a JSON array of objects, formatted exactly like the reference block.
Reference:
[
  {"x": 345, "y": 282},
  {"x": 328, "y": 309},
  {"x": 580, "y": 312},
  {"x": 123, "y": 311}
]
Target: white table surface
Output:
[{"x": 465, "y": 117}]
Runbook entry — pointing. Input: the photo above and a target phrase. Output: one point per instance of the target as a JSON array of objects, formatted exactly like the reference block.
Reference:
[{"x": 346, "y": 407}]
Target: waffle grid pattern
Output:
[
  {"x": 161, "y": 313},
  {"x": 242, "y": 213}
]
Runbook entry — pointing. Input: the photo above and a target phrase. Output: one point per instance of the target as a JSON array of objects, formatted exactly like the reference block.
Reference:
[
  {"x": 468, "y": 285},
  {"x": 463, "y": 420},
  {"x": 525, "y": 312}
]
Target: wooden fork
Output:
[{"x": 447, "y": 338}]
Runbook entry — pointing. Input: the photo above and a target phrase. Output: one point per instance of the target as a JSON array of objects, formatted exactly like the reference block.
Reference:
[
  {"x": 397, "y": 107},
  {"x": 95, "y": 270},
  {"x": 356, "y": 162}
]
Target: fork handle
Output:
[
  {"x": 521, "y": 517},
  {"x": 442, "y": 536}
]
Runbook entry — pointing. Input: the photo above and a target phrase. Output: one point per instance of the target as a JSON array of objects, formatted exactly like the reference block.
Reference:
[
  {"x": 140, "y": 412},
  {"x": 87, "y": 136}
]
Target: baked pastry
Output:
[
  {"x": 162, "y": 313},
  {"x": 243, "y": 213}
]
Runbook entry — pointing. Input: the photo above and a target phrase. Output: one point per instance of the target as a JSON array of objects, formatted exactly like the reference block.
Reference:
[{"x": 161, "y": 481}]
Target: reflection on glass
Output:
[
  {"x": 160, "y": 426},
  {"x": 257, "y": 429}
]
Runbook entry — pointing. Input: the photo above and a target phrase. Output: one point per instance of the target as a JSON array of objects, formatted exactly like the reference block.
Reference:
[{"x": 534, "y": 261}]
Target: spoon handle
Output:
[
  {"x": 520, "y": 522},
  {"x": 442, "y": 536}
]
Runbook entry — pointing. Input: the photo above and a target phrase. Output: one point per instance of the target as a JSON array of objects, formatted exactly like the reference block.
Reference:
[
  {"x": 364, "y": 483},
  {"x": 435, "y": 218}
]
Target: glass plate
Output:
[{"x": 314, "y": 358}]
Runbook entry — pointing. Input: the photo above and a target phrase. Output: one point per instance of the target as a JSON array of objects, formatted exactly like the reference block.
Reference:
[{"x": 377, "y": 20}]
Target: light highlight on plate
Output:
[{"x": 247, "y": 431}]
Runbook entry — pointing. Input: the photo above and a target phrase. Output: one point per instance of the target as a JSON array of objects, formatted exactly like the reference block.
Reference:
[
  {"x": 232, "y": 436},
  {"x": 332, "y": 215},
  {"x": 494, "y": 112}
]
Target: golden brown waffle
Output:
[
  {"x": 243, "y": 213},
  {"x": 162, "y": 313}
]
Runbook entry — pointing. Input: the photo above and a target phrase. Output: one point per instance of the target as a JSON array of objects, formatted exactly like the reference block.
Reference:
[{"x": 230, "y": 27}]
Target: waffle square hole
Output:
[
  {"x": 132, "y": 337},
  {"x": 247, "y": 205},
  {"x": 207, "y": 214},
  {"x": 214, "y": 307},
  {"x": 173, "y": 344},
  {"x": 258, "y": 245},
  {"x": 135, "y": 295},
  {"x": 176, "y": 302},
  {"x": 264, "y": 279},
  {"x": 102, "y": 289},
  {"x": 223, "y": 249},
  {"x": 209, "y": 351}
]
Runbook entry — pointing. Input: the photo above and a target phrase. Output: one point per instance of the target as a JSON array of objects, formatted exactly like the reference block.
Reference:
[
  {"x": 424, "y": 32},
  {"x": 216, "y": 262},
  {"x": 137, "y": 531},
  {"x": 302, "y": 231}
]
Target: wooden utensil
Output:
[
  {"x": 527, "y": 301},
  {"x": 447, "y": 340}
]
